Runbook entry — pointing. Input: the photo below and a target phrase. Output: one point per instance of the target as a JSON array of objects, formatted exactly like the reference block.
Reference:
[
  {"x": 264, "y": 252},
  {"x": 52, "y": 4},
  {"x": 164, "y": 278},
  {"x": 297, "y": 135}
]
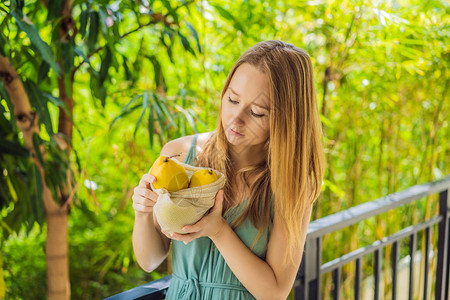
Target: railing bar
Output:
[
  {"x": 395, "y": 248},
  {"x": 377, "y": 273},
  {"x": 426, "y": 262},
  {"x": 337, "y": 273},
  {"x": 151, "y": 290},
  {"x": 329, "y": 266},
  {"x": 442, "y": 251},
  {"x": 447, "y": 282},
  {"x": 366, "y": 210},
  {"x": 358, "y": 279},
  {"x": 306, "y": 281},
  {"x": 412, "y": 252},
  {"x": 318, "y": 264}
]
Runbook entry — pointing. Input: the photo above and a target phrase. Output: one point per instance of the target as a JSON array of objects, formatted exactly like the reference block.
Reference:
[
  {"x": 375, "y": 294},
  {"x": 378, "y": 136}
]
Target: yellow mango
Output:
[
  {"x": 169, "y": 174},
  {"x": 202, "y": 177}
]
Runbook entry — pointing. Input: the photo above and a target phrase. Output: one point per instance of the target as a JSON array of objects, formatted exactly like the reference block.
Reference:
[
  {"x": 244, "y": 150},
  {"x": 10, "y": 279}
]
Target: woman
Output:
[{"x": 268, "y": 143}]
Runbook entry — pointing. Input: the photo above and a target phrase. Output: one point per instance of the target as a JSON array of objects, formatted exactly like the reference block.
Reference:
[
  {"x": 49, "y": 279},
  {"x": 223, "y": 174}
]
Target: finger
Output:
[
  {"x": 189, "y": 229},
  {"x": 144, "y": 192},
  {"x": 186, "y": 238},
  {"x": 218, "y": 204},
  {"x": 146, "y": 180},
  {"x": 144, "y": 184},
  {"x": 143, "y": 201},
  {"x": 149, "y": 177}
]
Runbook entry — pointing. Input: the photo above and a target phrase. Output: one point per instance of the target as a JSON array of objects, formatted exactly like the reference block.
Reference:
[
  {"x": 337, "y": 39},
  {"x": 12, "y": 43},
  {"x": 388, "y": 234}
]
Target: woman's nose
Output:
[{"x": 240, "y": 117}]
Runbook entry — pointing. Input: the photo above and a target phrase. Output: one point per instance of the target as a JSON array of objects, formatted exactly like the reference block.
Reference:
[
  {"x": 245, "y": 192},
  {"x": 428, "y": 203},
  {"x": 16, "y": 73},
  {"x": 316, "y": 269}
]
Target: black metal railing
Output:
[{"x": 309, "y": 278}]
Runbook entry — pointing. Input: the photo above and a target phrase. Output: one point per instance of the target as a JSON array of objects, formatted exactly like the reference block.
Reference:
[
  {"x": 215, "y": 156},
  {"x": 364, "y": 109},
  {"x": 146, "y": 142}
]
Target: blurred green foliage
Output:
[{"x": 381, "y": 71}]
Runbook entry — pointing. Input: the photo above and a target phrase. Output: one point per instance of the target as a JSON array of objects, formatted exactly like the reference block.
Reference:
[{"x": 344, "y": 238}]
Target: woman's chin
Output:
[{"x": 235, "y": 140}]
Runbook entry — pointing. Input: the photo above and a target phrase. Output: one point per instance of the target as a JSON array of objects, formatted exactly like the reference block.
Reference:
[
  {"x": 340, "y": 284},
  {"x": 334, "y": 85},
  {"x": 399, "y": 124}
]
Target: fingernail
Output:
[{"x": 184, "y": 228}]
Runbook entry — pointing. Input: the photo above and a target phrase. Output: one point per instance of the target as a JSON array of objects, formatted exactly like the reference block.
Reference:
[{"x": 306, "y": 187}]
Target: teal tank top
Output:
[{"x": 200, "y": 271}]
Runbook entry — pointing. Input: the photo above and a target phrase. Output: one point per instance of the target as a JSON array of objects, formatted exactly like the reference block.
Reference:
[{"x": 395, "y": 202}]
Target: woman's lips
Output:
[{"x": 236, "y": 133}]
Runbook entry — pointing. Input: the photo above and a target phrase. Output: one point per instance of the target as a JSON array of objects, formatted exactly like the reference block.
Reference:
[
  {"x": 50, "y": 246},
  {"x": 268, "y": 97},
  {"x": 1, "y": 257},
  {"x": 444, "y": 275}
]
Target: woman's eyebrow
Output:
[
  {"x": 263, "y": 107},
  {"x": 259, "y": 105},
  {"x": 233, "y": 90}
]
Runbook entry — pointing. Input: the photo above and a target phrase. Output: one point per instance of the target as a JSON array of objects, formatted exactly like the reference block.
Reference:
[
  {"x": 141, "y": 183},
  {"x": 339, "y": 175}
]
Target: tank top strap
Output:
[{"x": 191, "y": 153}]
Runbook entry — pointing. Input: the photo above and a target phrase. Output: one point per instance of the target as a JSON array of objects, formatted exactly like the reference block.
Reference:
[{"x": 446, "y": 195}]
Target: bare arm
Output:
[{"x": 150, "y": 246}]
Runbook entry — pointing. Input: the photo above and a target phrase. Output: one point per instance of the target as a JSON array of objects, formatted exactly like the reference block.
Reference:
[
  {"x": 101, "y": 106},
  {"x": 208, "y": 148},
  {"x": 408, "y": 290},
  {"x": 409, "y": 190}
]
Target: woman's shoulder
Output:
[{"x": 182, "y": 144}]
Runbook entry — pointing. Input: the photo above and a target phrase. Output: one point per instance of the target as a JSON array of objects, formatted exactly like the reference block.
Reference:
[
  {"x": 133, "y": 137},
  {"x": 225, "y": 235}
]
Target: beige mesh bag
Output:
[{"x": 187, "y": 206}]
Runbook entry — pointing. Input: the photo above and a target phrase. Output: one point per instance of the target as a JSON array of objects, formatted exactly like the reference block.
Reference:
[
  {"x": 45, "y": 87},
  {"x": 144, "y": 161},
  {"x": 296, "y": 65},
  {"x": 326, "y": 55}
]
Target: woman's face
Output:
[{"x": 245, "y": 107}]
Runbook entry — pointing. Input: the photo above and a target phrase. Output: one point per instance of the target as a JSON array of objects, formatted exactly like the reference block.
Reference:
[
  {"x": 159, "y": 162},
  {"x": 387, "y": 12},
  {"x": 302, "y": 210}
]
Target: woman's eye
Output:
[
  {"x": 235, "y": 102},
  {"x": 232, "y": 101},
  {"x": 256, "y": 115}
]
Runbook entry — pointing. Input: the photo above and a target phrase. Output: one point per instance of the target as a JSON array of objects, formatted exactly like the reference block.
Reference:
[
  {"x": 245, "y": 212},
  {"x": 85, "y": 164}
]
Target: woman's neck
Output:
[{"x": 249, "y": 156}]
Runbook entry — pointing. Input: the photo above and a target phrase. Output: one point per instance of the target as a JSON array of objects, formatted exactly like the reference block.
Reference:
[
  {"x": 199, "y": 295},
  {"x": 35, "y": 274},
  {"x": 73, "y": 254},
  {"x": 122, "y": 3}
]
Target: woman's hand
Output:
[
  {"x": 210, "y": 225},
  {"x": 144, "y": 198}
]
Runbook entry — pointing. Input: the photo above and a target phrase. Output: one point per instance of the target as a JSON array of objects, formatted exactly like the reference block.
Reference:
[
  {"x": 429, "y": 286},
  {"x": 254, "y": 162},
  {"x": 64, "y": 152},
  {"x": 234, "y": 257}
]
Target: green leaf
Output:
[
  {"x": 103, "y": 15},
  {"x": 326, "y": 121},
  {"x": 151, "y": 123},
  {"x": 36, "y": 145},
  {"x": 163, "y": 107},
  {"x": 43, "y": 48},
  {"x": 37, "y": 203},
  {"x": 138, "y": 62},
  {"x": 13, "y": 148},
  {"x": 228, "y": 16},
  {"x": 93, "y": 31},
  {"x": 52, "y": 180},
  {"x": 38, "y": 102},
  {"x": 17, "y": 6},
  {"x": 194, "y": 34},
  {"x": 186, "y": 44},
  {"x": 68, "y": 55},
  {"x": 144, "y": 108},
  {"x": 54, "y": 9},
  {"x": 2, "y": 44},
  {"x": 192, "y": 112},
  {"x": 57, "y": 102},
  {"x": 159, "y": 77},
  {"x": 4, "y": 95},
  {"x": 43, "y": 71},
  {"x": 167, "y": 31},
  {"x": 191, "y": 120},
  {"x": 127, "y": 70},
  {"x": 159, "y": 114},
  {"x": 79, "y": 52},
  {"x": 84, "y": 17},
  {"x": 98, "y": 91},
  {"x": 126, "y": 110},
  {"x": 183, "y": 104},
  {"x": 6, "y": 127},
  {"x": 106, "y": 62}
]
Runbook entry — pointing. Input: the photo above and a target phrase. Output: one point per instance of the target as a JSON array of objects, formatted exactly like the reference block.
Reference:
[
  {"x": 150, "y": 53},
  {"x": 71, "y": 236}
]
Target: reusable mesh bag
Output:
[{"x": 187, "y": 206}]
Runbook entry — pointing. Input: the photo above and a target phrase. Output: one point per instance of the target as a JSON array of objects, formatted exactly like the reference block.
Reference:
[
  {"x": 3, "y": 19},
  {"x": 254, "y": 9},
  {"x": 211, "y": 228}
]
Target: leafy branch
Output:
[{"x": 157, "y": 18}]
